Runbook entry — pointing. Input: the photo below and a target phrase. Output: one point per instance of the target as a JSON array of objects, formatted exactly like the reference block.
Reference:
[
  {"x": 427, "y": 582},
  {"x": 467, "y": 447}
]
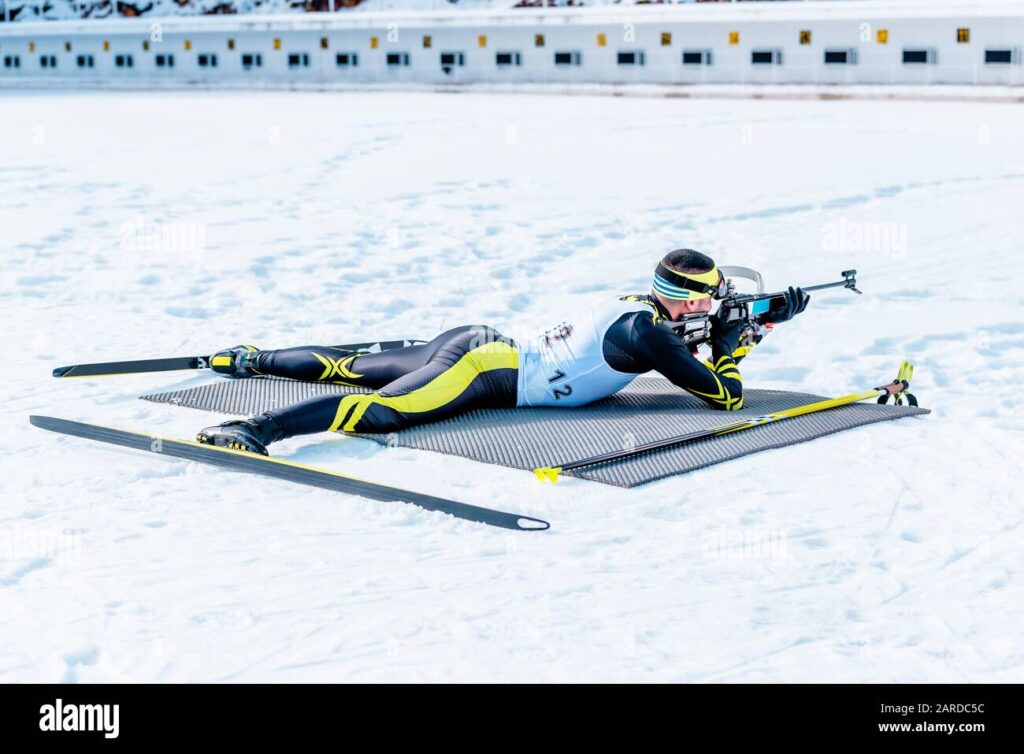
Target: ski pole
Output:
[{"x": 897, "y": 387}]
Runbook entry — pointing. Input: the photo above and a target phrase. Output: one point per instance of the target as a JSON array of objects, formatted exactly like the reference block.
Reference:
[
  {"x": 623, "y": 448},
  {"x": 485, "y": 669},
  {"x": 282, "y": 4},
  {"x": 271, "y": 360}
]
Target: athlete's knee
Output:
[
  {"x": 367, "y": 413},
  {"x": 383, "y": 422}
]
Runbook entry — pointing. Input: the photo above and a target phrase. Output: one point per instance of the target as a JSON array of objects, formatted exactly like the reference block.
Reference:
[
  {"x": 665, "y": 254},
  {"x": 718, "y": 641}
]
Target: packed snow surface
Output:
[{"x": 141, "y": 225}]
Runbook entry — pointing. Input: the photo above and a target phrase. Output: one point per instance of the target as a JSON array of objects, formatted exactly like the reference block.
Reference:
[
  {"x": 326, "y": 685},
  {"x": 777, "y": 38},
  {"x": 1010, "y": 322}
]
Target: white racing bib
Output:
[{"x": 565, "y": 365}]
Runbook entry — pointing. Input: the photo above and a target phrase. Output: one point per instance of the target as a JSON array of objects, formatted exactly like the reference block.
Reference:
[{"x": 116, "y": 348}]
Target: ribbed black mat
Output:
[{"x": 525, "y": 438}]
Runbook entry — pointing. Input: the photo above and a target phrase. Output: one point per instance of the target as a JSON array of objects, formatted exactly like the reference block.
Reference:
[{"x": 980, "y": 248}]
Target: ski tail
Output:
[
  {"x": 140, "y": 366},
  {"x": 236, "y": 460},
  {"x": 111, "y": 368}
]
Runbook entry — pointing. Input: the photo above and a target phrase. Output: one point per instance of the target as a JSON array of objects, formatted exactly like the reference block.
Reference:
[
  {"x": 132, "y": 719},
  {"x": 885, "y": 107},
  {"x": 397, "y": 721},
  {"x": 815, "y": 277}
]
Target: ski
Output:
[
  {"x": 897, "y": 388},
  {"x": 138, "y": 366},
  {"x": 110, "y": 368},
  {"x": 277, "y": 468}
]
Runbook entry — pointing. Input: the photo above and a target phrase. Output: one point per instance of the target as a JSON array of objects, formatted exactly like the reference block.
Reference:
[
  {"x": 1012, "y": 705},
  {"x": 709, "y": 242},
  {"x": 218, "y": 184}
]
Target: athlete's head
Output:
[{"x": 685, "y": 281}]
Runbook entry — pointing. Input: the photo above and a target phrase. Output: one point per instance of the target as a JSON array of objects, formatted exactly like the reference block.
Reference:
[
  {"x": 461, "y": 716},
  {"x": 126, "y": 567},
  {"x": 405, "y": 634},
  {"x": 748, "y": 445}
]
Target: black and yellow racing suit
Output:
[
  {"x": 467, "y": 367},
  {"x": 475, "y": 367}
]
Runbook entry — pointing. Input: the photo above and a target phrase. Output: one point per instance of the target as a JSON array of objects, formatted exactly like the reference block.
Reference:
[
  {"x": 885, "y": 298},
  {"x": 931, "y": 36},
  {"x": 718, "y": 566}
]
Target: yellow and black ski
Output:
[
  {"x": 139, "y": 366},
  {"x": 251, "y": 463}
]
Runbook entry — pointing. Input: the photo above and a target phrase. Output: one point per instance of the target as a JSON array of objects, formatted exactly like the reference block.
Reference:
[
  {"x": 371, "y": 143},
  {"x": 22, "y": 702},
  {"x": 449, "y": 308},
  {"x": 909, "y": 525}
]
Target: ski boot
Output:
[
  {"x": 236, "y": 362},
  {"x": 252, "y": 435}
]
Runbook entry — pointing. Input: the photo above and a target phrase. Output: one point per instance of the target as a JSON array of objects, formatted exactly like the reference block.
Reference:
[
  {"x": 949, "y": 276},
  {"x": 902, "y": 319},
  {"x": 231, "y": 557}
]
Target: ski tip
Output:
[
  {"x": 62, "y": 371},
  {"x": 548, "y": 473},
  {"x": 532, "y": 524}
]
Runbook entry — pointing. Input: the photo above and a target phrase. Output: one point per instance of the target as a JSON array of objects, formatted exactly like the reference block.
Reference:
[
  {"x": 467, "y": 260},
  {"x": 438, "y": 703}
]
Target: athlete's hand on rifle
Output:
[
  {"x": 725, "y": 335},
  {"x": 796, "y": 302}
]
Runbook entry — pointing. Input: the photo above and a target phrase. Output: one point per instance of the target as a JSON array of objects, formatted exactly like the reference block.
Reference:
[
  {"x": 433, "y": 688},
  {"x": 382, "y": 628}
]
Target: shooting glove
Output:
[
  {"x": 725, "y": 336},
  {"x": 796, "y": 302}
]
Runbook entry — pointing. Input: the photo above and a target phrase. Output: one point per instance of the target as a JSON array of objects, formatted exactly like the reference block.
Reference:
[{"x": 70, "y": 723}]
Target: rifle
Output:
[{"x": 753, "y": 309}]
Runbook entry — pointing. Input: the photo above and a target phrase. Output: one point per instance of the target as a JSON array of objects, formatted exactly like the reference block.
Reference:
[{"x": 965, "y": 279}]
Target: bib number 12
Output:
[{"x": 562, "y": 391}]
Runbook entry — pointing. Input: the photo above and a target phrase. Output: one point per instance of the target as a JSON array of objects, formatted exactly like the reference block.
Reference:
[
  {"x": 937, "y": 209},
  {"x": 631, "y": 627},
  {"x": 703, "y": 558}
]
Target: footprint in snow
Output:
[
  {"x": 20, "y": 572},
  {"x": 74, "y": 660}
]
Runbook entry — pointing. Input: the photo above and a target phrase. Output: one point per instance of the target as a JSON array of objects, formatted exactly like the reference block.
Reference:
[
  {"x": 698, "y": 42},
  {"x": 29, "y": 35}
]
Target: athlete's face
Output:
[
  {"x": 697, "y": 305},
  {"x": 679, "y": 309}
]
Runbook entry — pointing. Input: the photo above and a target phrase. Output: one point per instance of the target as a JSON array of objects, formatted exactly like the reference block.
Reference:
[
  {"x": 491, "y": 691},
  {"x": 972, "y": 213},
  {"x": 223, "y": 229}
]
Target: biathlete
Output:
[{"x": 580, "y": 361}]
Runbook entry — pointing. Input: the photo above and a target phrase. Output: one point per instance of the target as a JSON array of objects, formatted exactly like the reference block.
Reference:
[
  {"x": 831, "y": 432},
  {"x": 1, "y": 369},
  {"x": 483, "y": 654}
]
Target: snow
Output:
[{"x": 891, "y": 552}]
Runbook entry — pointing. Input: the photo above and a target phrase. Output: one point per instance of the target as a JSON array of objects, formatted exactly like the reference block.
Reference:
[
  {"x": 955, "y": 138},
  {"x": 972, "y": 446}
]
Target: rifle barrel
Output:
[
  {"x": 849, "y": 281},
  {"x": 823, "y": 286}
]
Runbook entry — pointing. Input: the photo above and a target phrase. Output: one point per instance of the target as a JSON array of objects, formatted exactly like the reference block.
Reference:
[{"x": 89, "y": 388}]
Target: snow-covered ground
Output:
[{"x": 888, "y": 553}]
